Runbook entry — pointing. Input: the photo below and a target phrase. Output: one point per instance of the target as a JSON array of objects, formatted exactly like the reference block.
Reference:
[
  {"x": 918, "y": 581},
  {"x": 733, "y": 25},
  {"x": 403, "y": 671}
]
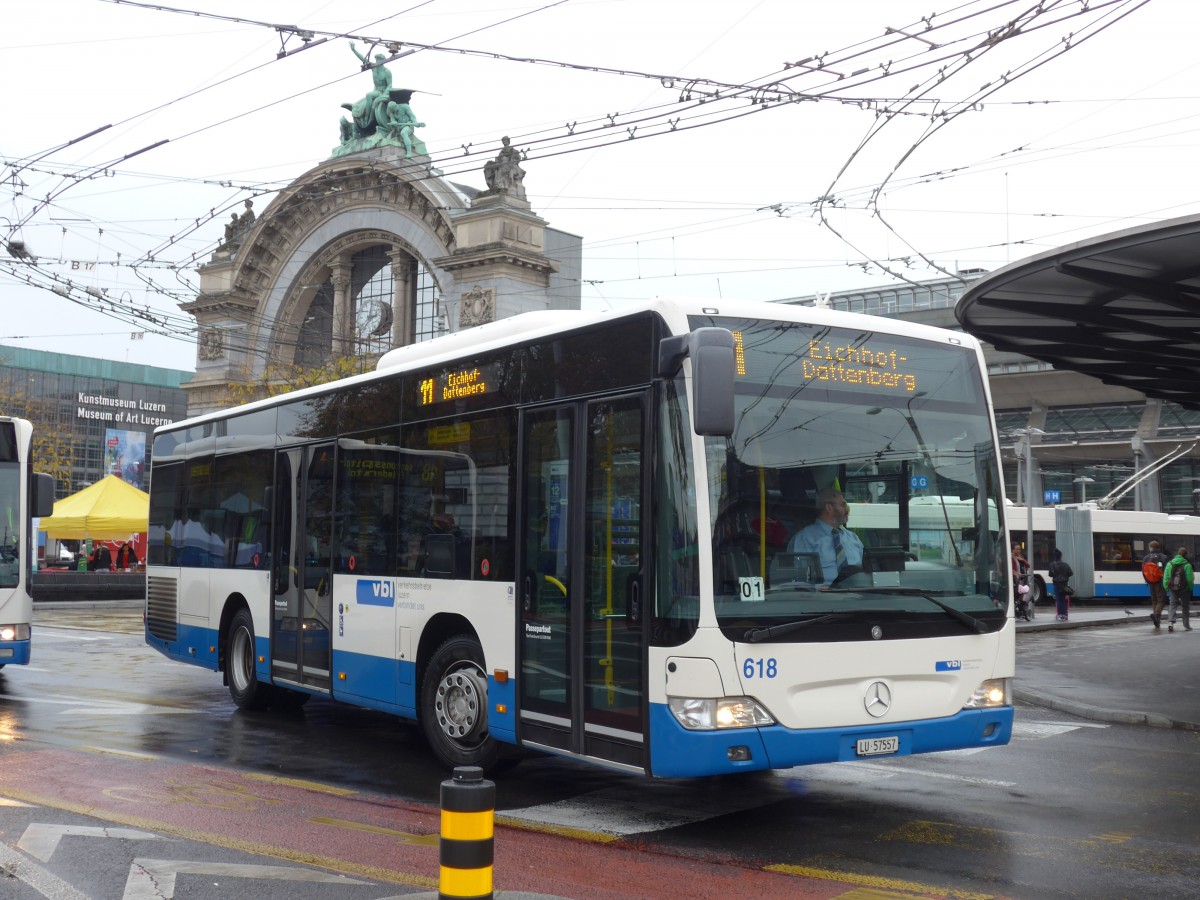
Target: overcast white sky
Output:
[{"x": 922, "y": 166}]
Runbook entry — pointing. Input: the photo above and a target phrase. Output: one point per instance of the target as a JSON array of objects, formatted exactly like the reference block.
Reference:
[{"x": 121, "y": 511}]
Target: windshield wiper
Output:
[
  {"x": 968, "y": 620},
  {"x": 755, "y": 635}
]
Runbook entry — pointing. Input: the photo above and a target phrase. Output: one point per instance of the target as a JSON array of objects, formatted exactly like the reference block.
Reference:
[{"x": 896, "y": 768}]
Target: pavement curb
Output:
[
  {"x": 1090, "y": 711},
  {"x": 1090, "y": 623},
  {"x": 1099, "y": 714}
]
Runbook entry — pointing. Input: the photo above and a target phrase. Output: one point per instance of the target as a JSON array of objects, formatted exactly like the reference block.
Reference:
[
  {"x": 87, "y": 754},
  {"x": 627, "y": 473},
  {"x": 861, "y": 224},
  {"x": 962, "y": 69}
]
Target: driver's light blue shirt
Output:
[{"x": 817, "y": 537}]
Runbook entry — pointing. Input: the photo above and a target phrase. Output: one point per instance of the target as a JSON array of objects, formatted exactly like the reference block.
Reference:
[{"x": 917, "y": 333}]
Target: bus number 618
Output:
[{"x": 760, "y": 668}]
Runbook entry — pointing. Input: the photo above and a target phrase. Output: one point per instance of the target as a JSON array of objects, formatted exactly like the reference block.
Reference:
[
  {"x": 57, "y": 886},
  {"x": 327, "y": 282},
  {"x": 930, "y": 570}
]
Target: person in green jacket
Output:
[{"x": 1179, "y": 577}]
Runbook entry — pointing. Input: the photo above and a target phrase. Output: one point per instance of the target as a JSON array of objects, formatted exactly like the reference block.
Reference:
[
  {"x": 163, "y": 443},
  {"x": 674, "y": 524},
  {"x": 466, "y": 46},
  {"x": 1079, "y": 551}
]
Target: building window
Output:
[
  {"x": 430, "y": 322},
  {"x": 316, "y": 332},
  {"x": 372, "y": 293}
]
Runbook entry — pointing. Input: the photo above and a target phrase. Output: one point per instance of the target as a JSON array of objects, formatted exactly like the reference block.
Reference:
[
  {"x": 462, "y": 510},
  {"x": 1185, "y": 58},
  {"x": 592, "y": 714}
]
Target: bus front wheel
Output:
[
  {"x": 454, "y": 705},
  {"x": 244, "y": 687}
]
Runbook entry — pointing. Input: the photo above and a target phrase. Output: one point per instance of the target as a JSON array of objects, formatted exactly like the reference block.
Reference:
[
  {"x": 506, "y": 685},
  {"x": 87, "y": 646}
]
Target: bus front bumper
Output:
[{"x": 676, "y": 752}]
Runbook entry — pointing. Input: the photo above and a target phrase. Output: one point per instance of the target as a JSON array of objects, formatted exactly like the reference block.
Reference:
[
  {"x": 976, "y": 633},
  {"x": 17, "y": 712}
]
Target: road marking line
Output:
[
  {"x": 128, "y": 754},
  {"x": 831, "y": 771},
  {"x": 875, "y": 881},
  {"x": 582, "y": 834},
  {"x": 608, "y": 810},
  {"x": 925, "y": 773},
  {"x": 154, "y": 879},
  {"x": 94, "y": 707},
  {"x": 33, "y": 875},
  {"x": 1094, "y": 850},
  {"x": 420, "y": 840},
  {"x": 302, "y": 784},
  {"x": 42, "y": 840},
  {"x": 254, "y": 848}
]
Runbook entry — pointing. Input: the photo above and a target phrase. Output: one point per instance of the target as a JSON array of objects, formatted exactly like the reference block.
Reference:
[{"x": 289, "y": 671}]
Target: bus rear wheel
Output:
[
  {"x": 454, "y": 706},
  {"x": 240, "y": 670}
]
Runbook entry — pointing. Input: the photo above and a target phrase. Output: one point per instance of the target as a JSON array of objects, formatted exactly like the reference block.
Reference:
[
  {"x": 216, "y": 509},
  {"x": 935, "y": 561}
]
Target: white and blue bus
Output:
[
  {"x": 567, "y": 533},
  {"x": 23, "y": 496},
  {"x": 1104, "y": 547}
]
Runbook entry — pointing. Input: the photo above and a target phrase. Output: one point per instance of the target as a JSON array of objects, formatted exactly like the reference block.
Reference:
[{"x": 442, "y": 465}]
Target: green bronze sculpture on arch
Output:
[{"x": 381, "y": 118}]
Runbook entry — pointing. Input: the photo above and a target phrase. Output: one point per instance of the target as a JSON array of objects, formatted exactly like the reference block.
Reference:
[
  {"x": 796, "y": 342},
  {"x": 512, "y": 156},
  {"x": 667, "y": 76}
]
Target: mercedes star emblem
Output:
[{"x": 878, "y": 699}]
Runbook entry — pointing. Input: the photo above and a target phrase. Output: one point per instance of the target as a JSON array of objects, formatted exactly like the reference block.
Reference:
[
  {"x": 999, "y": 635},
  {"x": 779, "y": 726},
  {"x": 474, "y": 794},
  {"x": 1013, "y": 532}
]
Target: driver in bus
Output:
[{"x": 839, "y": 548}]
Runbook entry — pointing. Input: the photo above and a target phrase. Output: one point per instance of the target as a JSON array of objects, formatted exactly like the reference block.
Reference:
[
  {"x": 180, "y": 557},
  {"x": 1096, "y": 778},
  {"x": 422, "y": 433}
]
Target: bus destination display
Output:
[
  {"x": 877, "y": 367},
  {"x": 454, "y": 385}
]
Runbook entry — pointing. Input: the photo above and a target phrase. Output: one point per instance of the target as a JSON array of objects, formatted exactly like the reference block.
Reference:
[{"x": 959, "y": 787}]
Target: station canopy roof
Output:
[{"x": 1123, "y": 308}]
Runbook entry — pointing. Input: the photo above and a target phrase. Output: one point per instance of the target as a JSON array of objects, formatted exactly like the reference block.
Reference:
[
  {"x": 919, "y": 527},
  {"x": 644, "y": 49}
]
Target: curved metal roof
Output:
[{"x": 1123, "y": 308}]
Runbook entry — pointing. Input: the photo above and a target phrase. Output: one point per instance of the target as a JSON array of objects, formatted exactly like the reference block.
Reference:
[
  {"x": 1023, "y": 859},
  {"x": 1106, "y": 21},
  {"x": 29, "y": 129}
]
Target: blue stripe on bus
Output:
[
  {"x": 14, "y": 653},
  {"x": 1126, "y": 591},
  {"x": 191, "y": 645},
  {"x": 371, "y": 681},
  {"x": 676, "y": 752},
  {"x": 391, "y": 686},
  {"x": 502, "y": 725},
  {"x": 374, "y": 679}
]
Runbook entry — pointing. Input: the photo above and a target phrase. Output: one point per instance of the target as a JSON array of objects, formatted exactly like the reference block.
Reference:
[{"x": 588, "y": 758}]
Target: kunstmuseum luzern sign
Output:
[{"x": 118, "y": 410}]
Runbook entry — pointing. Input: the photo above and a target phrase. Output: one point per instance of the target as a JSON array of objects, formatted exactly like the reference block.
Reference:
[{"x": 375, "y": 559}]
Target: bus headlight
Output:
[
  {"x": 713, "y": 713},
  {"x": 14, "y": 632},
  {"x": 991, "y": 693}
]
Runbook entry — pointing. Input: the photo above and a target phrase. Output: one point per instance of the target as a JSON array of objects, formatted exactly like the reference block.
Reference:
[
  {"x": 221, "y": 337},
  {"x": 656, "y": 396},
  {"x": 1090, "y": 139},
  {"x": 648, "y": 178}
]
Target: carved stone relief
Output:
[
  {"x": 211, "y": 344},
  {"x": 478, "y": 307}
]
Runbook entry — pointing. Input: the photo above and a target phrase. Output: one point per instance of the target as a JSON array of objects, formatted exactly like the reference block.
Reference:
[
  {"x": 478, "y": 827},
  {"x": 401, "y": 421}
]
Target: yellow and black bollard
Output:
[{"x": 466, "y": 845}]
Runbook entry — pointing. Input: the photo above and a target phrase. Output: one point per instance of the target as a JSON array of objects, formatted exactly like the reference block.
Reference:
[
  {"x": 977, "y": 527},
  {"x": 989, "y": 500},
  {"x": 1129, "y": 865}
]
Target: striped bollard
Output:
[{"x": 468, "y": 814}]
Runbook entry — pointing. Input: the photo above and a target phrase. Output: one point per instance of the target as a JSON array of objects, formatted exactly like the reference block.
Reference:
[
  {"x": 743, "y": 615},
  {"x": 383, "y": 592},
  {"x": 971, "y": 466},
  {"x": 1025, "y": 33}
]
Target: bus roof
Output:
[{"x": 547, "y": 323}]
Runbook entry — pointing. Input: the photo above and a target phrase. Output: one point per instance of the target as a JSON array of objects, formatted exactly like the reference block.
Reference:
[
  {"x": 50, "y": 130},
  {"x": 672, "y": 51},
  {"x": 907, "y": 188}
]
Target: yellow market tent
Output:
[{"x": 110, "y": 509}]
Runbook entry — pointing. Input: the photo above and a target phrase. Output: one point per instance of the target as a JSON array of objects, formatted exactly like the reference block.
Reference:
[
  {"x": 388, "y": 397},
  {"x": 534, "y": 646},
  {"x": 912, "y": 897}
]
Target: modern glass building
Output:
[
  {"x": 1091, "y": 437},
  {"x": 101, "y": 413}
]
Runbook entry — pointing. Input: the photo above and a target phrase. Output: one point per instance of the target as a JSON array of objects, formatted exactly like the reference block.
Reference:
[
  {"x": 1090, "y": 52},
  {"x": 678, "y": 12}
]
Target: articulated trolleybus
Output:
[
  {"x": 568, "y": 533},
  {"x": 23, "y": 495}
]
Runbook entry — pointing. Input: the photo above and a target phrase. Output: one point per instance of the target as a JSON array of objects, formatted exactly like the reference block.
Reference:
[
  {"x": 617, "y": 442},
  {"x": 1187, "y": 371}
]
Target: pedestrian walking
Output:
[
  {"x": 1022, "y": 601},
  {"x": 1179, "y": 577},
  {"x": 1153, "y": 564},
  {"x": 1060, "y": 574}
]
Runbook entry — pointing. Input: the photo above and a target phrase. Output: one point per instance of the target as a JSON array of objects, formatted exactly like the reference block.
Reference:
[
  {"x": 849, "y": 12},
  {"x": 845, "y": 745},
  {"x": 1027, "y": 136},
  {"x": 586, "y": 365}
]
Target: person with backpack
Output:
[
  {"x": 1179, "y": 577},
  {"x": 1060, "y": 574},
  {"x": 1153, "y": 564}
]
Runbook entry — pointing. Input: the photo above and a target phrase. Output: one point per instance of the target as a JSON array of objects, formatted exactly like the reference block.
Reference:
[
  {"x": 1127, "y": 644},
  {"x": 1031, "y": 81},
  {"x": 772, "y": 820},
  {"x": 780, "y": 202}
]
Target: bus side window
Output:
[{"x": 439, "y": 552}]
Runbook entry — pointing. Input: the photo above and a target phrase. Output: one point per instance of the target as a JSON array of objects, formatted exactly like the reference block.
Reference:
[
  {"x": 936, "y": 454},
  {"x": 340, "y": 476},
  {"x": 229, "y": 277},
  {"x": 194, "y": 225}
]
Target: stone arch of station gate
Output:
[{"x": 283, "y": 304}]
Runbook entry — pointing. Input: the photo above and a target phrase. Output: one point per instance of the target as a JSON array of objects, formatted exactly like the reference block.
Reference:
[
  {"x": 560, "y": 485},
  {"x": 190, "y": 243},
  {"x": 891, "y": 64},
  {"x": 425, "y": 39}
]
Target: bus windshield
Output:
[
  {"x": 860, "y": 482},
  {"x": 11, "y": 529}
]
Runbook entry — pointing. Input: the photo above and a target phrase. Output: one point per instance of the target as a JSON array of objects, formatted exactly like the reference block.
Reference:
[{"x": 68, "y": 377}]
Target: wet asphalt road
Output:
[{"x": 105, "y": 730}]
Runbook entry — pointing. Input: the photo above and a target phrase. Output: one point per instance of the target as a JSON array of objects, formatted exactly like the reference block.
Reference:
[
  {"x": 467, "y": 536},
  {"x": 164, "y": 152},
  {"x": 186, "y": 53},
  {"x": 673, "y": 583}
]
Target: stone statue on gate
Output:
[
  {"x": 382, "y": 117},
  {"x": 238, "y": 225},
  {"x": 504, "y": 174}
]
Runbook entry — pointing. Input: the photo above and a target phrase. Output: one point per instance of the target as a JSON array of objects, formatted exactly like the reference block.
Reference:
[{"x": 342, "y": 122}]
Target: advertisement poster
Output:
[{"x": 125, "y": 456}]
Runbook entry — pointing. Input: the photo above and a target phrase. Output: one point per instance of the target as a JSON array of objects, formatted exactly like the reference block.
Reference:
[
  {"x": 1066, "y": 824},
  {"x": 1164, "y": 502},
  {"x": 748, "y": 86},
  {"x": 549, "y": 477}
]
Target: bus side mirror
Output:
[
  {"x": 42, "y": 490},
  {"x": 712, "y": 354}
]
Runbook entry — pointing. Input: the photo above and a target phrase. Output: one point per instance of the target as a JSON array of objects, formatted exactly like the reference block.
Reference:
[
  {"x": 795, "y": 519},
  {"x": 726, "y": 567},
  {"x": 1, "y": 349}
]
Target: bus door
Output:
[
  {"x": 582, "y": 582},
  {"x": 301, "y": 569}
]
